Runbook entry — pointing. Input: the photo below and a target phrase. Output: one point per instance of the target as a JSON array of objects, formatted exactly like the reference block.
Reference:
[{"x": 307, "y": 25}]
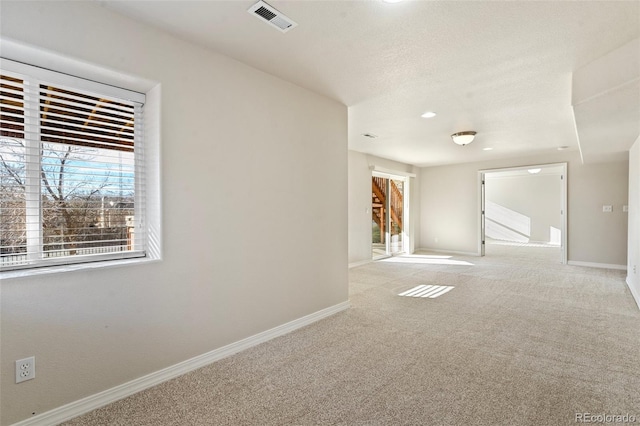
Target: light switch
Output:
[{"x": 607, "y": 209}]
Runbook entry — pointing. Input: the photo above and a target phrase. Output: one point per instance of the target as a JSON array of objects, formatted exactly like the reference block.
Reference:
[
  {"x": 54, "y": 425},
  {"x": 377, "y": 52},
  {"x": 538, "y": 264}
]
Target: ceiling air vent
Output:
[{"x": 272, "y": 16}]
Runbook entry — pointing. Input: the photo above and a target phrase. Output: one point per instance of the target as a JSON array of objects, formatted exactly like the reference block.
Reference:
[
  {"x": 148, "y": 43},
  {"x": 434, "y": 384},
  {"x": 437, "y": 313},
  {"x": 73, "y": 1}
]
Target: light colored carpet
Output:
[{"x": 519, "y": 340}]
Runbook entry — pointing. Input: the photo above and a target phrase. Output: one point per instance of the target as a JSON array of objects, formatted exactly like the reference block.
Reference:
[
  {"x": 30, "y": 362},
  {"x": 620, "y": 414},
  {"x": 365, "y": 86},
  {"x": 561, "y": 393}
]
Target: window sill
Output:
[{"x": 47, "y": 270}]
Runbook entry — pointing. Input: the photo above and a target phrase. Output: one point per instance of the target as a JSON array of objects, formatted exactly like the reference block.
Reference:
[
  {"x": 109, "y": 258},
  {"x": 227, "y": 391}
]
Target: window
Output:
[{"x": 71, "y": 170}]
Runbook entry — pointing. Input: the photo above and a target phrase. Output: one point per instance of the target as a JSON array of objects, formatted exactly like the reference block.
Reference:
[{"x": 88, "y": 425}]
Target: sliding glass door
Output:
[
  {"x": 396, "y": 209},
  {"x": 379, "y": 217},
  {"x": 387, "y": 221}
]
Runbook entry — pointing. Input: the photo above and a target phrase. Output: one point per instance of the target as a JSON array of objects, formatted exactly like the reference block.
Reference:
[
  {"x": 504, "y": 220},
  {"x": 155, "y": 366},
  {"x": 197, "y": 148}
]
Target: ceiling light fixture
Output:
[
  {"x": 534, "y": 171},
  {"x": 428, "y": 114},
  {"x": 463, "y": 138},
  {"x": 487, "y": 149}
]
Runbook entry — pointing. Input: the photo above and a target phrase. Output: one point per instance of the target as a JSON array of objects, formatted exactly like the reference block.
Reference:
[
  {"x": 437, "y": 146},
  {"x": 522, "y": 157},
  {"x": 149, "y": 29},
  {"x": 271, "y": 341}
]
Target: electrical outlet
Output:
[{"x": 25, "y": 369}]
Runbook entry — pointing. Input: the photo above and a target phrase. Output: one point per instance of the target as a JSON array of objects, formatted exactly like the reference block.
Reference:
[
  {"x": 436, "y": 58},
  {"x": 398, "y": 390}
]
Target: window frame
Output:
[{"x": 84, "y": 85}]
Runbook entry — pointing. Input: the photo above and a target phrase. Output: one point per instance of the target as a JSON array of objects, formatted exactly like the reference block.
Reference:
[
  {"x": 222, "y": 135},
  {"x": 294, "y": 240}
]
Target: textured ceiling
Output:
[{"x": 503, "y": 69}]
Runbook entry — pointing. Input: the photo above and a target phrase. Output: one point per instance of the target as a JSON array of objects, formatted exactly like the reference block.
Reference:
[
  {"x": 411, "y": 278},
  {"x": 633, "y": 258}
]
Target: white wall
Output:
[
  {"x": 360, "y": 166},
  {"x": 254, "y": 185},
  {"x": 359, "y": 207},
  {"x": 633, "y": 265},
  {"x": 449, "y": 207},
  {"x": 534, "y": 198},
  {"x": 595, "y": 236}
]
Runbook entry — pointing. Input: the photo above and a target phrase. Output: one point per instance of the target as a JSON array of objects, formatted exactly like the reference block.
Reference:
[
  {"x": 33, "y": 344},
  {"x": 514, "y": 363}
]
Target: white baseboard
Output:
[
  {"x": 90, "y": 403},
  {"x": 461, "y": 253},
  {"x": 634, "y": 292},
  {"x": 360, "y": 263},
  {"x": 598, "y": 265}
]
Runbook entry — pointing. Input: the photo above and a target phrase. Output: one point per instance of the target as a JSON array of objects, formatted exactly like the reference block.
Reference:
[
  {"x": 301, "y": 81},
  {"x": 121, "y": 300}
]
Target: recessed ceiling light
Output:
[
  {"x": 487, "y": 149},
  {"x": 428, "y": 114},
  {"x": 562, "y": 148},
  {"x": 534, "y": 171}
]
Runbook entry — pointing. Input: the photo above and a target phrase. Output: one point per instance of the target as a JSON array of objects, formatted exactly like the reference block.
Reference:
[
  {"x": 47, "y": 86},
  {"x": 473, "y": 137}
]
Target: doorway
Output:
[
  {"x": 388, "y": 218},
  {"x": 524, "y": 207}
]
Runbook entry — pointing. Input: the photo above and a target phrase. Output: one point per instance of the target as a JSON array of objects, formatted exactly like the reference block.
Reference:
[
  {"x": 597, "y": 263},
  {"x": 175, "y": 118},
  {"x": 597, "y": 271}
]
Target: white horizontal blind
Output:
[{"x": 71, "y": 173}]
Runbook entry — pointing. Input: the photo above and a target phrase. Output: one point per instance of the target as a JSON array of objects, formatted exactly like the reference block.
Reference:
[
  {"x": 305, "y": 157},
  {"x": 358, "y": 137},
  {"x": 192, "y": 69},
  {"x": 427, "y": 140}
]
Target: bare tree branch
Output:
[
  {"x": 11, "y": 172},
  {"x": 63, "y": 161},
  {"x": 47, "y": 186}
]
